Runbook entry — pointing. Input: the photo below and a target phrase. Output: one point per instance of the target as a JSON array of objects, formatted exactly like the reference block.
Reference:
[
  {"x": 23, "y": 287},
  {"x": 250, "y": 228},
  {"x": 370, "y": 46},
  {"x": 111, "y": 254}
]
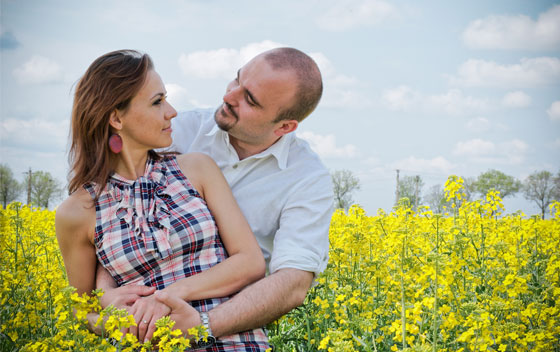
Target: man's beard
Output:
[{"x": 220, "y": 115}]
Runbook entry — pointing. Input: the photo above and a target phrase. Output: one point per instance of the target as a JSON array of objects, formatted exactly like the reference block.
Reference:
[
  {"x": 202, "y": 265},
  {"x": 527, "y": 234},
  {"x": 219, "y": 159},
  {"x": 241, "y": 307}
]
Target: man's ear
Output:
[
  {"x": 286, "y": 126},
  {"x": 115, "y": 120}
]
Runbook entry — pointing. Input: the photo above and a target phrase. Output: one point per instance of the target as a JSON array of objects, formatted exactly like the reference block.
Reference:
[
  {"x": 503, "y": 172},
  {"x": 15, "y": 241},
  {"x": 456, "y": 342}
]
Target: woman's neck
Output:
[{"x": 131, "y": 165}]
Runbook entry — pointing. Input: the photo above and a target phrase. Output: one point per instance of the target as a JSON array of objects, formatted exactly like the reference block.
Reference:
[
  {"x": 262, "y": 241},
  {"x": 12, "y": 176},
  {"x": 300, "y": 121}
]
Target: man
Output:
[{"x": 283, "y": 189}]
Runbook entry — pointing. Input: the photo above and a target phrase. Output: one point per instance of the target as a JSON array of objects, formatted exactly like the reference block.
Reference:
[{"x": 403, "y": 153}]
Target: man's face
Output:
[{"x": 253, "y": 100}]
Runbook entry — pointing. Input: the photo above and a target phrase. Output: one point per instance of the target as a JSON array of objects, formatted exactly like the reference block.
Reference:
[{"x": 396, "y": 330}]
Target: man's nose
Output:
[{"x": 232, "y": 94}]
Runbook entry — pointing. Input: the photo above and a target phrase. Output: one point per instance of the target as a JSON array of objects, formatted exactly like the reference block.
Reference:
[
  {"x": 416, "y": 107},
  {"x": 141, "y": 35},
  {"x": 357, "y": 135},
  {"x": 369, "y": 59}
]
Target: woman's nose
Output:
[{"x": 171, "y": 113}]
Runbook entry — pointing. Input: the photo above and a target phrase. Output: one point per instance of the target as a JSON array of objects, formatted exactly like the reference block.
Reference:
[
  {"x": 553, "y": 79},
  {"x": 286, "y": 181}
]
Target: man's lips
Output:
[{"x": 226, "y": 110}]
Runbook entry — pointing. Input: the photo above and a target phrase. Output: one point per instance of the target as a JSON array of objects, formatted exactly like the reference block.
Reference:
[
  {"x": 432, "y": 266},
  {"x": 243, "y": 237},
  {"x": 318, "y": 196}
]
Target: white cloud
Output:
[
  {"x": 517, "y": 99},
  {"x": 326, "y": 146},
  {"x": 122, "y": 16},
  {"x": 346, "y": 15},
  {"x": 452, "y": 102},
  {"x": 39, "y": 70},
  {"x": 514, "y": 151},
  {"x": 482, "y": 151},
  {"x": 37, "y": 133},
  {"x": 554, "y": 111},
  {"x": 435, "y": 165},
  {"x": 401, "y": 98},
  {"x": 326, "y": 67},
  {"x": 180, "y": 99},
  {"x": 455, "y": 102},
  {"x": 478, "y": 124},
  {"x": 529, "y": 72},
  {"x": 221, "y": 63},
  {"x": 339, "y": 90},
  {"x": 515, "y": 32},
  {"x": 474, "y": 148},
  {"x": 336, "y": 97}
]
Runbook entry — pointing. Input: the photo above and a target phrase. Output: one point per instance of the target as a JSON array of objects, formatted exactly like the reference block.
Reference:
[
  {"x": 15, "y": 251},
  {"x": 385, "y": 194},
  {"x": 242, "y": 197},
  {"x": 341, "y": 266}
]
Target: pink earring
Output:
[{"x": 115, "y": 143}]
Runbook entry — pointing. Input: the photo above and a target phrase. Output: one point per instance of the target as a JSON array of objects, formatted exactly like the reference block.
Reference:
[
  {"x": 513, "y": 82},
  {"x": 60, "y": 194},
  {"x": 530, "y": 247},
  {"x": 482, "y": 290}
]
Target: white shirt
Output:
[{"x": 285, "y": 192}]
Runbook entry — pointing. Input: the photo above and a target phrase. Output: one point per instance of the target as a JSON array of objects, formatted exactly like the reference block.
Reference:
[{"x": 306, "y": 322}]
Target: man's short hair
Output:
[{"x": 309, "y": 86}]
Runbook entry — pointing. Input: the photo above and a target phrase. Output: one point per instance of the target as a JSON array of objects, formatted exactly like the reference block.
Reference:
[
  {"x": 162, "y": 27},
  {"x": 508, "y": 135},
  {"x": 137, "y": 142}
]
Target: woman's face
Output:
[{"x": 146, "y": 124}]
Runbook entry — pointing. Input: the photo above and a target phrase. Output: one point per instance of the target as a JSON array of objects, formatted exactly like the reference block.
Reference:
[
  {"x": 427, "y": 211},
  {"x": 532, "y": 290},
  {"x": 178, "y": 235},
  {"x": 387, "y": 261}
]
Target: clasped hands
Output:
[{"x": 148, "y": 305}]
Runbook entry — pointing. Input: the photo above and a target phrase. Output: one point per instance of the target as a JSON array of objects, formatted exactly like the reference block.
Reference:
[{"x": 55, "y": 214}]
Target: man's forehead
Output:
[{"x": 264, "y": 82}]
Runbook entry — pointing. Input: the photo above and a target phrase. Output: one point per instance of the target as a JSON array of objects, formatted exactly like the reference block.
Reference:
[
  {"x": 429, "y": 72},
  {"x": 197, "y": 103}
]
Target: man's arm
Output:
[
  {"x": 262, "y": 302},
  {"x": 301, "y": 246}
]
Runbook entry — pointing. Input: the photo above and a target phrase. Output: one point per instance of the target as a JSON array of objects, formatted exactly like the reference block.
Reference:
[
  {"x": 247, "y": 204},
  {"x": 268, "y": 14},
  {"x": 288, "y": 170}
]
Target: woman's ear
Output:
[
  {"x": 286, "y": 126},
  {"x": 115, "y": 120}
]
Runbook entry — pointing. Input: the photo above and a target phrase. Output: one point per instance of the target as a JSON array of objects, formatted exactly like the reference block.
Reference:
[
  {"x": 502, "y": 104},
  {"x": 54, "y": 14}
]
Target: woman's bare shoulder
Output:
[
  {"x": 194, "y": 159},
  {"x": 197, "y": 165},
  {"x": 76, "y": 212},
  {"x": 200, "y": 169}
]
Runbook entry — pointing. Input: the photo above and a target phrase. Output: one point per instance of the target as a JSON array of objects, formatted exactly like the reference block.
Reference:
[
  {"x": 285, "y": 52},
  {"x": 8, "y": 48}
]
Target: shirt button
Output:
[{"x": 235, "y": 166}]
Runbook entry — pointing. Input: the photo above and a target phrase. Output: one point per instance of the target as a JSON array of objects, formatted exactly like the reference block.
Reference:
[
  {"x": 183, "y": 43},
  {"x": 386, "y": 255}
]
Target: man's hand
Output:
[
  {"x": 124, "y": 296},
  {"x": 184, "y": 315}
]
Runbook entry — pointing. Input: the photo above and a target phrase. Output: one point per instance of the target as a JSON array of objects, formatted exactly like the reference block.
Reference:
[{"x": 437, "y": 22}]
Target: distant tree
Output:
[
  {"x": 344, "y": 183},
  {"x": 498, "y": 181},
  {"x": 10, "y": 189},
  {"x": 411, "y": 187},
  {"x": 436, "y": 199},
  {"x": 540, "y": 187},
  {"x": 469, "y": 187},
  {"x": 556, "y": 181},
  {"x": 44, "y": 188}
]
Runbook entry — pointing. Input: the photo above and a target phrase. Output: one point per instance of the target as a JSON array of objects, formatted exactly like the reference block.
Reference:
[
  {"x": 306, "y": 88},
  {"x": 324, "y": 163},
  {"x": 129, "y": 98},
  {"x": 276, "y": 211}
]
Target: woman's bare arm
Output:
[
  {"x": 75, "y": 225},
  {"x": 245, "y": 263}
]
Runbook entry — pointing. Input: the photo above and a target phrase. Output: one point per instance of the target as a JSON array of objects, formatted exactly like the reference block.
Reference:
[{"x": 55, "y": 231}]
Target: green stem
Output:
[
  {"x": 434, "y": 328},
  {"x": 403, "y": 308}
]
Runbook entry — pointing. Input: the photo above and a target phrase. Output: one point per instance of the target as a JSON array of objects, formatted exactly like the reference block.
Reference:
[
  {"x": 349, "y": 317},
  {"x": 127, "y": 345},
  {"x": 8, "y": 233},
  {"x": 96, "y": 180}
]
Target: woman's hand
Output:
[
  {"x": 124, "y": 296},
  {"x": 146, "y": 311}
]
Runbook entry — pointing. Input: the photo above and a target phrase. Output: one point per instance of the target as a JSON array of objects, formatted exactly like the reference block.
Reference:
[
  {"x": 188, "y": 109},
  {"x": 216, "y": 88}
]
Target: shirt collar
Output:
[
  {"x": 213, "y": 131},
  {"x": 279, "y": 150}
]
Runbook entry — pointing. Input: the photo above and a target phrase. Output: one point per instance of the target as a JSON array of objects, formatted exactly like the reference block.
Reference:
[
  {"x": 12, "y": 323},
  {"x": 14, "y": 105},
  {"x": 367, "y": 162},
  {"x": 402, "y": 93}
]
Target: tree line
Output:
[
  {"x": 541, "y": 187},
  {"x": 38, "y": 188}
]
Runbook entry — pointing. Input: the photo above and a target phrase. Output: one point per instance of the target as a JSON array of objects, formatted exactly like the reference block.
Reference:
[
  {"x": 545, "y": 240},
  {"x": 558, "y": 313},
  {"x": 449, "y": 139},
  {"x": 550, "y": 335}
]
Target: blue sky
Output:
[{"x": 431, "y": 88}]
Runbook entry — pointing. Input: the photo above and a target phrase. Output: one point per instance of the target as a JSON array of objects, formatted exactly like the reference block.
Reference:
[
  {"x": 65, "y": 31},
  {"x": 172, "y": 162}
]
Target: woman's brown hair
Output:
[{"x": 109, "y": 83}]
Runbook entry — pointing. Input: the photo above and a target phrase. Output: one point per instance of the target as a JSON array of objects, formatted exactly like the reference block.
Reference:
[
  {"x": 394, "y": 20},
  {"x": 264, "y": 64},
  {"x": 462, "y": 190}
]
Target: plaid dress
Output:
[{"x": 156, "y": 230}]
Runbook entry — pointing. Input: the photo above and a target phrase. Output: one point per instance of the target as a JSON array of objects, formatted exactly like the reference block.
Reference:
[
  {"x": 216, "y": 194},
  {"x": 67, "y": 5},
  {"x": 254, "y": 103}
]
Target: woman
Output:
[{"x": 149, "y": 219}]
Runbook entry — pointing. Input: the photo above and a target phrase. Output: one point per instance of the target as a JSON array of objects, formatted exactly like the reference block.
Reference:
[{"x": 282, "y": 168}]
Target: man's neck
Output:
[{"x": 245, "y": 150}]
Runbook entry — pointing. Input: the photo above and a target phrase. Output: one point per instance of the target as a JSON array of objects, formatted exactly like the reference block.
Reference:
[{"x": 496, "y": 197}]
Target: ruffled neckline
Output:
[{"x": 141, "y": 204}]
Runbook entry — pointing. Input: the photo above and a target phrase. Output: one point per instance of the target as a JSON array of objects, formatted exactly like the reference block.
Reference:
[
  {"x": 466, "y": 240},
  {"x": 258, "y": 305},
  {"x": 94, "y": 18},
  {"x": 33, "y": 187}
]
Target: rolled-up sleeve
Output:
[{"x": 302, "y": 240}]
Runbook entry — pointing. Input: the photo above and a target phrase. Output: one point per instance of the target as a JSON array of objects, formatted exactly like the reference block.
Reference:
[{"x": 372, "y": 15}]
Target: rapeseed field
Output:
[{"x": 472, "y": 279}]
